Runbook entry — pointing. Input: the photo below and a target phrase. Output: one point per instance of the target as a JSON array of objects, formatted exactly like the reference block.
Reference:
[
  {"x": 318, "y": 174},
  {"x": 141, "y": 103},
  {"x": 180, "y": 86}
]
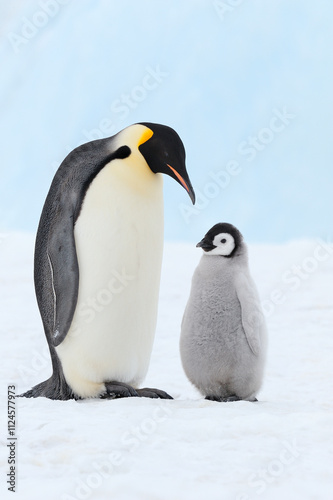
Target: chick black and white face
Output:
[{"x": 222, "y": 239}]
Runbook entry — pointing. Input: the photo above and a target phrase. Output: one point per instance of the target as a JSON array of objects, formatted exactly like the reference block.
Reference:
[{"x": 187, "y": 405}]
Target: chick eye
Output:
[{"x": 223, "y": 240}]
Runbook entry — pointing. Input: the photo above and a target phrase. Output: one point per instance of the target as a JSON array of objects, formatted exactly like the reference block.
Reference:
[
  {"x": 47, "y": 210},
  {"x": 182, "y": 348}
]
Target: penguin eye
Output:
[{"x": 223, "y": 240}]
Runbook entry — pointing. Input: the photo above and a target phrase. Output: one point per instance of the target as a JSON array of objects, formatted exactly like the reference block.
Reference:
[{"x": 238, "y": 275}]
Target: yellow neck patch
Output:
[{"x": 145, "y": 136}]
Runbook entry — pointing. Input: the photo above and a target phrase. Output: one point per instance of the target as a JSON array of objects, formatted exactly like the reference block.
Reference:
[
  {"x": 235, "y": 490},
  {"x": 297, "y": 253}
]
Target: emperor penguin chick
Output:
[{"x": 223, "y": 334}]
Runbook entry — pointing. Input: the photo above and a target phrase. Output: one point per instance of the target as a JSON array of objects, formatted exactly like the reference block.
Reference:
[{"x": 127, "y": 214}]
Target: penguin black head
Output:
[
  {"x": 164, "y": 152},
  {"x": 222, "y": 239}
]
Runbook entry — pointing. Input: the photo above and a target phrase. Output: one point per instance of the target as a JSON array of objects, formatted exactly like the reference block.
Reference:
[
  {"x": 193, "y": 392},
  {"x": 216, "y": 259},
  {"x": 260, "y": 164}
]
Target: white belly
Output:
[{"x": 119, "y": 243}]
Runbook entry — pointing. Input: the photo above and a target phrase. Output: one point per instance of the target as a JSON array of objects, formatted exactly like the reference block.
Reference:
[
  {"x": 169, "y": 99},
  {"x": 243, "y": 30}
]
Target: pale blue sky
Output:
[{"x": 247, "y": 89}]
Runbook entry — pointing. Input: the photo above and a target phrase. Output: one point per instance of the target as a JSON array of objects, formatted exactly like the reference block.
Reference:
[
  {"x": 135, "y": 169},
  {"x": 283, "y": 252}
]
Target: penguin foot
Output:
[
  {"x": 55, "y": 388},
  {"x": 211, "y": 397},
  {"x": 229, "y": 399},
  {"x": 153, "y": 393},
  {"x": 118, "y": 390}
]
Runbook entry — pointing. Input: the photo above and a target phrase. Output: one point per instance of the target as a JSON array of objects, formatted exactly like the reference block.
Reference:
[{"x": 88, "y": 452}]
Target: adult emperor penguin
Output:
[
  {"x": 223, "y": 333},
  {"x": 98, "y": 258}
]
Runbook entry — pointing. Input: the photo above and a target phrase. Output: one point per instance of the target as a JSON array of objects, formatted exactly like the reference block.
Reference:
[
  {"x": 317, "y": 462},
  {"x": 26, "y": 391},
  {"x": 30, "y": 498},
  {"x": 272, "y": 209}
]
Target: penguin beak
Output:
[
  {"x": 186, "y": 184},
  {"x": 205, "y": 245}
]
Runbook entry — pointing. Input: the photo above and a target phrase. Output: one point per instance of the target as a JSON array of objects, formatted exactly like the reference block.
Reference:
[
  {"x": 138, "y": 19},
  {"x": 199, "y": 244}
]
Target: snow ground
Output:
[{"x": 188, "y": 448}]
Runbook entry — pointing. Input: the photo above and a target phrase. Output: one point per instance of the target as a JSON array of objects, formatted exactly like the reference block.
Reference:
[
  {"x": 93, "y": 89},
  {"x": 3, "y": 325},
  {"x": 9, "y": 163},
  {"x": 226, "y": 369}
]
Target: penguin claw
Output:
[
  {"x": 118, "y": 390},
  {"x": 153, "y": 393}
]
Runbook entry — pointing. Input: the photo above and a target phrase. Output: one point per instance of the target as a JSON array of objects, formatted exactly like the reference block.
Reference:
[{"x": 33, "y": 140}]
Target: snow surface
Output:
[{"x": 188, "y": 448}]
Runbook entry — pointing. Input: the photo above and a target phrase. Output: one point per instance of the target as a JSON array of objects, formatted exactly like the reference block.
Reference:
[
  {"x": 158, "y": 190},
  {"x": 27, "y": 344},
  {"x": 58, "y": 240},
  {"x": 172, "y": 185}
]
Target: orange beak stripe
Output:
[{"x": 179, "y": 177}]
